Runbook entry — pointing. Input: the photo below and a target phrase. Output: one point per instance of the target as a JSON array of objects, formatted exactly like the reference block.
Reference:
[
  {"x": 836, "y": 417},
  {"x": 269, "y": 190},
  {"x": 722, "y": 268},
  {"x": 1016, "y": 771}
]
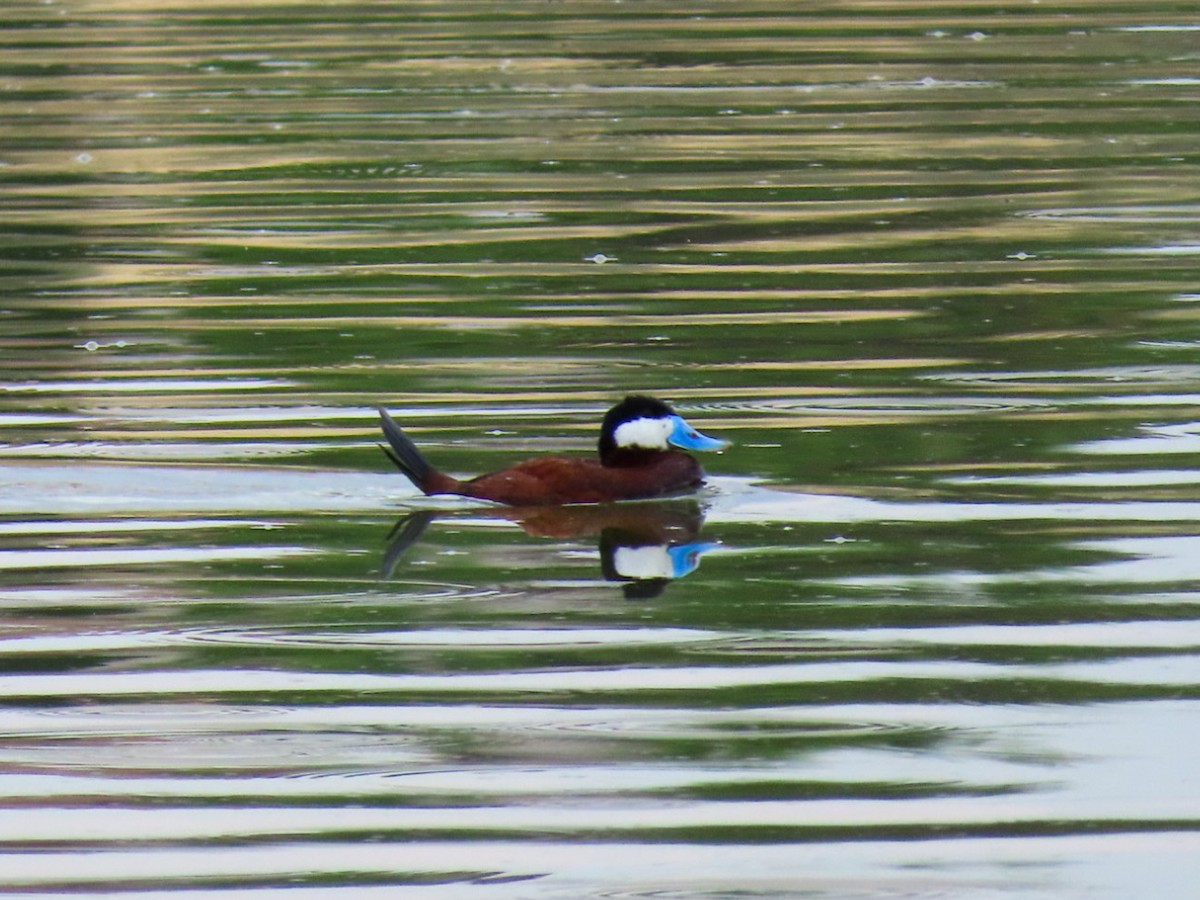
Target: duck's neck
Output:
[{"x": 628, "y": 457}]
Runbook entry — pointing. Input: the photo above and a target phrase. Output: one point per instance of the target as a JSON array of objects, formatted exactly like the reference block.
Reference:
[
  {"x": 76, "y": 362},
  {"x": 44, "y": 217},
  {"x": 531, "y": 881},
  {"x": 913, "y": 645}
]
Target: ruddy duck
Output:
[{"x": 636, "y": 461}]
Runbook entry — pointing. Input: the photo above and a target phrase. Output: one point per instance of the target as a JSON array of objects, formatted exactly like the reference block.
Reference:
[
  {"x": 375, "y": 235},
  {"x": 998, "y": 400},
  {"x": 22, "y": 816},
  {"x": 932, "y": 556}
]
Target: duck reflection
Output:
[{"x": 645, "y": 545}]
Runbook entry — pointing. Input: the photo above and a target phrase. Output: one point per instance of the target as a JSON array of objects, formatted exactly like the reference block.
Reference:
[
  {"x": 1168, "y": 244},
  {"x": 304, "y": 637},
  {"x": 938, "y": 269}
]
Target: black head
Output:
[
  {"x": 640, "y": 425},
  {"x": 631, "y": 409}
]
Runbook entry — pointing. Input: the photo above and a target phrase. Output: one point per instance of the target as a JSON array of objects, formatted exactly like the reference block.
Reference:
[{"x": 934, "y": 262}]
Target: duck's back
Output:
[{"x": 558, "y": 479}]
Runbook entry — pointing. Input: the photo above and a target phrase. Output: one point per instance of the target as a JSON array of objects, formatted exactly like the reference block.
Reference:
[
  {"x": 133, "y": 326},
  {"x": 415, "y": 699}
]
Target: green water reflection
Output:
[{"x": 930, "y": 628}]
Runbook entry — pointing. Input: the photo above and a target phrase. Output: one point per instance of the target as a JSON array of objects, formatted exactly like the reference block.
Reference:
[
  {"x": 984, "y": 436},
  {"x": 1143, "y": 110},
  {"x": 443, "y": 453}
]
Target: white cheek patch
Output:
[
  {"x": 644, "y": 562},
  {"x": 649, "y": 434}
]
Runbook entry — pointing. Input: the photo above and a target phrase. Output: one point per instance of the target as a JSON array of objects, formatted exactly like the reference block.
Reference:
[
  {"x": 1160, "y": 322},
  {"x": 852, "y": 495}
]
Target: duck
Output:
[{"x": 641, "y": 454}]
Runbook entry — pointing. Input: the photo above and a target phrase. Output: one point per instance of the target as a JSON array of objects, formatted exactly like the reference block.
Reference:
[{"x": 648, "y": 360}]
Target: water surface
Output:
[{"x": 931, "y": 628}]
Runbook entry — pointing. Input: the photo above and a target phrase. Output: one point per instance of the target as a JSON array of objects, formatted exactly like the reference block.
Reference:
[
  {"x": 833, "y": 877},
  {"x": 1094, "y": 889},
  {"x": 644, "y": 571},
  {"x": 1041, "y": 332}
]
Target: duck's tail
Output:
[{"x": 411, "y": 461}]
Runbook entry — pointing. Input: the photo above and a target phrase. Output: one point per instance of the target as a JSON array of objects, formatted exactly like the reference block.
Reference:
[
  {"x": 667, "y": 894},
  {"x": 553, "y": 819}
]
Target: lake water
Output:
[{"x": 934, "y": 625}]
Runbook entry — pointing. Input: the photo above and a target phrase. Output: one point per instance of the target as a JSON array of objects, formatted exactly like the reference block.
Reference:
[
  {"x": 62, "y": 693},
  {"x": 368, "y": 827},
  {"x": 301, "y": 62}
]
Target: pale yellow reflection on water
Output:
[{"x": 928, "y": 631}]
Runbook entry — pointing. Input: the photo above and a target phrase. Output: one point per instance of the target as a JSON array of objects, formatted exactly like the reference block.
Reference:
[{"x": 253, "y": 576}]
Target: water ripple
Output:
[{"x": 165, "y": 684}]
